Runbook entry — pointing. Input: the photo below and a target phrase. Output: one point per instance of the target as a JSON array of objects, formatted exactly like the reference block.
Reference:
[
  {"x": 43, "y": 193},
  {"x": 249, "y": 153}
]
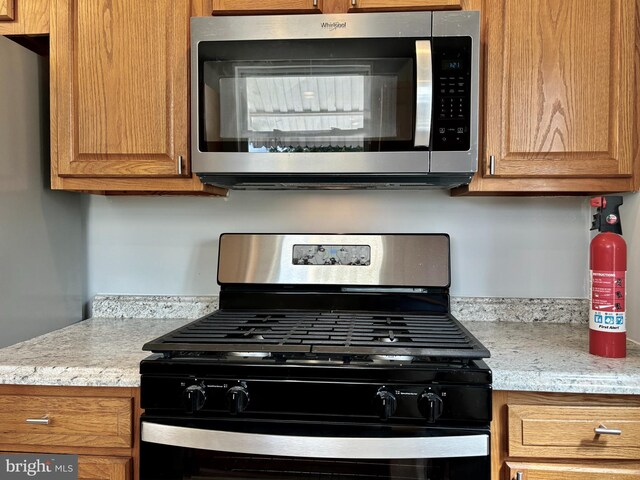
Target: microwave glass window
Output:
[{"x": 298, "y": 100}]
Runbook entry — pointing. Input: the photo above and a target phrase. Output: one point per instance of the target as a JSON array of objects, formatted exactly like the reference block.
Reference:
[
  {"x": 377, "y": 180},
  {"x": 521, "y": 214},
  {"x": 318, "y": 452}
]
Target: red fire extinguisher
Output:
[{"x": 608, "y": 268}]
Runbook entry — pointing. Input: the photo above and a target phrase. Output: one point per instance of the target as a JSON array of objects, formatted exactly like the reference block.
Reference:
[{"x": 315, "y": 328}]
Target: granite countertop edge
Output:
[{"x": 533, "y": 355}]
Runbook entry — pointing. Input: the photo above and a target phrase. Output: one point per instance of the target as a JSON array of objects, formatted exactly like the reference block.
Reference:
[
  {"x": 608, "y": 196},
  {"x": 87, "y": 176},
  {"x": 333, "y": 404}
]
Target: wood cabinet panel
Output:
[
  {"x": 572, "y": 471},
  {"x": 119, "y": 88},
  {"x": 24, "y": 17},
  {"x": 72, "y": 421},
  {"x": 569, "y": 431},
  {"x": 566, "y": 102},
  {"x": 402, "y": 5},
  {"x": 103, "y": 468},
  {"x": 559, "y": 103},
  {"x": 239, "y": 7},
  {"x": 555, "y": 433},
  {"x": 6, "y": 10}
]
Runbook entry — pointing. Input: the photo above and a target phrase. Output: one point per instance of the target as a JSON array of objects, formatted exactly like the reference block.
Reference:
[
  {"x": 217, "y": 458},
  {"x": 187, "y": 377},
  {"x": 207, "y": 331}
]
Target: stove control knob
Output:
[
  {"x": 194, "y": 397},
  {"x": 430, "y": 406},
  {"x": 237, "y": 399},
  {"x": 385, "y": 403}
]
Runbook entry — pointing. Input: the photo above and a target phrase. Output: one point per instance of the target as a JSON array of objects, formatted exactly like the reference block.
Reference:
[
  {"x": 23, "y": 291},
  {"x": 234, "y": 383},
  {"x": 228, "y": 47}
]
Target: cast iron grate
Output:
[{"x": 324, "y": 333}]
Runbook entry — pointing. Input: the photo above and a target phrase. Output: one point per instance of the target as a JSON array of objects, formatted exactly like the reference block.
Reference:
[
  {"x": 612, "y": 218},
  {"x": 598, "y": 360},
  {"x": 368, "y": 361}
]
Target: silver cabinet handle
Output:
[
  {"x": 492, "y": 165},
  {"x": 315, "y": 3},
  {"x": 38, "y": 421},
  {"x": 603, "y": 430},
  {"x": 353, "y": 3},
  {"x": 179, "y": 164},
  {"x": 424, "y": 93},
  {"x": 519, "y": 476}
]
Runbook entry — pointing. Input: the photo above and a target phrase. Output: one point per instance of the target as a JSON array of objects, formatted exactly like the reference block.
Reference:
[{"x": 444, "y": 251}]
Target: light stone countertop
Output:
[{"x": 530, "y": 356}]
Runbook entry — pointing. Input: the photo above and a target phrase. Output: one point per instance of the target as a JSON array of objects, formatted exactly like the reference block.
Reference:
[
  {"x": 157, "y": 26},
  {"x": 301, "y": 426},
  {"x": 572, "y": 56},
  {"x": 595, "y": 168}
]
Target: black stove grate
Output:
[{"x": 324, "y": 333}]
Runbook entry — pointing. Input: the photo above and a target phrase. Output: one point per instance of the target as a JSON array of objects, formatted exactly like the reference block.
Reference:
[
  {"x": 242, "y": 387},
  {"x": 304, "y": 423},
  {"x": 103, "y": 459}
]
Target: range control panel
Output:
[{"x": 451, "y": 93}]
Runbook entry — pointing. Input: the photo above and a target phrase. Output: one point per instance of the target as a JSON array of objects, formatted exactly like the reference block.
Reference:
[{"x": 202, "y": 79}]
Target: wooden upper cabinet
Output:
[
  {"x": 6, "y": 10},
  {"x": 251, "y": 7},
  {"x": 119, "y": 88},
  {"x": 559, "y": 96},
  {"x": 402, "y": 5},
  {"x": 24, "y": 17},
  {"x": 239, "y": 7}
]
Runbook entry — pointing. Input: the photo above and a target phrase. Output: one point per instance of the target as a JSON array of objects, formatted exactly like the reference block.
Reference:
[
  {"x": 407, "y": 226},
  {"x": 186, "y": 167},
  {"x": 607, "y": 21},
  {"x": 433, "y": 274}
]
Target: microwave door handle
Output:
[
  {"x": 316, "y": 447},
  {"x": 424, "y": 93}
]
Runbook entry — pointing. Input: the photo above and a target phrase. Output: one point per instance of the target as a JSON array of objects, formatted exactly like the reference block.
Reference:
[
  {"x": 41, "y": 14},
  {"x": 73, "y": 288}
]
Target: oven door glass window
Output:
[{"x": 307, "y": 96}]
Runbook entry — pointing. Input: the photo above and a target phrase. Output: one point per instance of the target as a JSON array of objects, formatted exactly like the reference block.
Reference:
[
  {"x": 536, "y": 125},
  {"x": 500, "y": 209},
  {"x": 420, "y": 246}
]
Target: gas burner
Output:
[
  {"x": 392, "y": 358},
  {"x": 249, "y": 354}
]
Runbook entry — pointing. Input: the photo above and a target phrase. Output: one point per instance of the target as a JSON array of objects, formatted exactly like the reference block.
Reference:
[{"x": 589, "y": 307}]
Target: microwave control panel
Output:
[{"x": 451, "y": 57}]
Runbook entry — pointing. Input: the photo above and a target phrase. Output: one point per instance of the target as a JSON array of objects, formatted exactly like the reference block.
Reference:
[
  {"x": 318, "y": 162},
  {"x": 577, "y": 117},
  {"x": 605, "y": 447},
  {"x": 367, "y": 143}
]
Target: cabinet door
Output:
[
  {"x": 568, "y": 471},
  {"x": 559, "y": 103},
  {"x": 24, "y": 17},
  {"x": 6, "y": 10},
  {"x": 103, "y": 468},
  {"x": 402, "y": 5},
  {"x": 559, "y": 88},
  {"x": 119, "y": 88},
  {"x": 240, "y": 7}
]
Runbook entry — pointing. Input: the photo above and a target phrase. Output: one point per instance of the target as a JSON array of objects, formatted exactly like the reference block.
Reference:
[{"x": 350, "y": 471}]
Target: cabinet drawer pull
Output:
[
  {"x": 179, "y": 164},
  {"x": 603, "y": 430},
  {"x": 315, "y": 3},
  {"x": 38, "y": 421},
  {"x": 519, "y": 476},
  {"x": 353, "y": 3}
]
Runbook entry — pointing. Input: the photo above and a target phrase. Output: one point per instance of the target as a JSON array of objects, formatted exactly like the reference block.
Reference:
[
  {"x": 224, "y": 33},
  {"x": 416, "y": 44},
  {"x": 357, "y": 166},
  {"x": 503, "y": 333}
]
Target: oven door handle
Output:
[
  {"x": 424, "y": 93},
  {"x": 317, "y": 447}
]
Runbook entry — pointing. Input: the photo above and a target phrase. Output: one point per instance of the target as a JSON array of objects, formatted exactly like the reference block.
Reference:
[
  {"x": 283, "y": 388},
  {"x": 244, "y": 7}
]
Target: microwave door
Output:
[{"x": 424, "y": 93}]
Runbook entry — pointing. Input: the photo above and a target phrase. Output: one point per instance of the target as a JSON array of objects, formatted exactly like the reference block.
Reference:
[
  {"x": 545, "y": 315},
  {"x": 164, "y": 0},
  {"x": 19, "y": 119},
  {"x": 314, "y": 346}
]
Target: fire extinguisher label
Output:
[{"x": 607, "y": 294}]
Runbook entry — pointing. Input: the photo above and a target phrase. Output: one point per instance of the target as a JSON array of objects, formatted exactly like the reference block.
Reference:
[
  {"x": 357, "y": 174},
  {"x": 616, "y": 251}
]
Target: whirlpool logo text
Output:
[{"x": 331, "y": 26}]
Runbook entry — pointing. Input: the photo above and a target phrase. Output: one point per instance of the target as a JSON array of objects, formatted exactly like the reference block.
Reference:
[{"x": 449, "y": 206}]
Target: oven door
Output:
[{"x": 253, "y": 450}]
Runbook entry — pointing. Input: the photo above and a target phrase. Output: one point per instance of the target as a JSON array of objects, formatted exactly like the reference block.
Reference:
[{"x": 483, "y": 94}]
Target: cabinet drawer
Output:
[
  {"x": 569, "y": 431},
  {"x": 569, "y": 471},
  {"x": 66, "y": 421},
  {"x": 104, "y": 468}
]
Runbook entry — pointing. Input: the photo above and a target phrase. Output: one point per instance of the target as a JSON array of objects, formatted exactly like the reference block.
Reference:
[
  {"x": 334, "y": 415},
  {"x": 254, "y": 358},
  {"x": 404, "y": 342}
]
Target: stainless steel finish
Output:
[
  {"x": 419, "y": 164},
  {"x": 424, "y": 93},
  {"x": 603, "y": 430},
  {"x": 396, "y": 260},
  {"x": 179, "y": 164},
  {"x": 317, "y": 447},
  {"x": 492, "y": 165},
  {"x": 287, "y": 27},
  {"x": 356, "y": 162},
  {"x": 353, "y": 3},
  {"x": 453, "y": 24},
  {"x": 519, "y": 476},
  {"x": 315, "y": 3},
  {"x": 38, "y": 421}
]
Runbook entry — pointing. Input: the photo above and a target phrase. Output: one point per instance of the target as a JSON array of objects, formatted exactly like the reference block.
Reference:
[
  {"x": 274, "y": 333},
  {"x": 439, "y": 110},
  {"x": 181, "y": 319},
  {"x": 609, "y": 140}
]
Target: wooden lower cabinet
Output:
[
  {"x": 571, "y": 471},
  {"x": 556, "y": 436},
  {"x": 99, "y": 424},
  {"x": 103, "y": 468}
]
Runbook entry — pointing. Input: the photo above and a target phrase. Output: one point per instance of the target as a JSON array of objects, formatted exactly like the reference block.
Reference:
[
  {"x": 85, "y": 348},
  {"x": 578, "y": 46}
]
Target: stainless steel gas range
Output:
[{"x": 331, "y": 356}]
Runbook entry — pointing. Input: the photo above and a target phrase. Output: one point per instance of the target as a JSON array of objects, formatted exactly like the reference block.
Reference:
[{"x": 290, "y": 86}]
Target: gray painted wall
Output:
[
  {"x": 514, "y": 247},
  {"x": 42, "y": 241},
  {"x": 630, "y": 214}
]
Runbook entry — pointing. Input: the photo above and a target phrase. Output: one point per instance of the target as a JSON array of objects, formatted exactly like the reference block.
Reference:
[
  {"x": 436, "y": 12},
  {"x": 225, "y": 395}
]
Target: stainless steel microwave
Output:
[{"x": 372, "y": 100}]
